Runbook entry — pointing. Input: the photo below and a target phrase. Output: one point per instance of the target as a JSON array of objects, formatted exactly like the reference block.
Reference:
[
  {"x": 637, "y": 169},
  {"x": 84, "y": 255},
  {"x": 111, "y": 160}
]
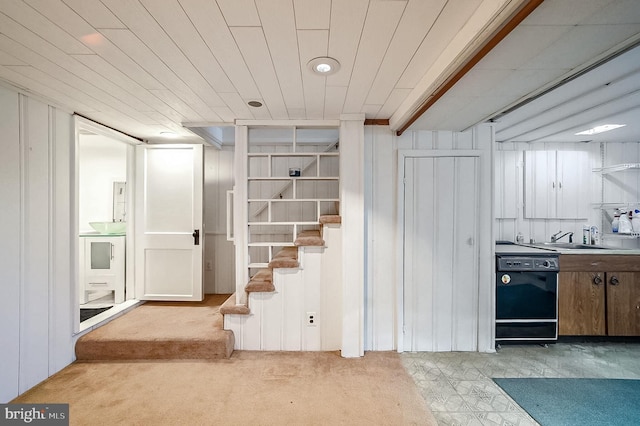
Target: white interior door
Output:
[
  {"x": 440, "y": 295},
  {"x": 169, "y": 234}
]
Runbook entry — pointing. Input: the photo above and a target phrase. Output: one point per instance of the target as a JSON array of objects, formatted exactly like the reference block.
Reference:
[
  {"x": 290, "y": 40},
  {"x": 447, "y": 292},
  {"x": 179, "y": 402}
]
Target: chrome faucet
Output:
[{"x": 555, "y": 238}]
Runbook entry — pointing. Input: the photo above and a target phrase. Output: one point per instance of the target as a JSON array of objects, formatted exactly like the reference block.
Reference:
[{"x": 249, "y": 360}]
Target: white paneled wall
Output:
[
  {"x": 277, "y": 321},
  {"x": 383, "y": 281},
  {"x": 219, "y": 253},
  {"x": 510, "y": 197},
  {"x": 36, "y": 311}
]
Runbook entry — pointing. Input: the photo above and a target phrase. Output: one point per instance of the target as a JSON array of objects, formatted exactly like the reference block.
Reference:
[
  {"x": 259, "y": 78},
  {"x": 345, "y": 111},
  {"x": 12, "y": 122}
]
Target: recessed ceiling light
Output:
[
  {"x": 324, "y": 66},
  {"x": 600, "y": 129},
  {"x": 255, "y": 104},
  {"x": 168, "y": 135}
]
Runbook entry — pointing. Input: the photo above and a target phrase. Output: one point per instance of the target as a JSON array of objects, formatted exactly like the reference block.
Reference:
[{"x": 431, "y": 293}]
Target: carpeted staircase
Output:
[
  {"x": 162, "y": 330},
  {"x": 262, "y": 281}
]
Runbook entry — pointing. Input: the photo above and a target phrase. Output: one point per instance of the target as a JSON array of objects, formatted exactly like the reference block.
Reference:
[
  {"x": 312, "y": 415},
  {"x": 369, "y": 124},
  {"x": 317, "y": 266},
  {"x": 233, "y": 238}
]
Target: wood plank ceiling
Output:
[
  {"x": 147, "y": 66},
  {"x": 560, "y": 40}
]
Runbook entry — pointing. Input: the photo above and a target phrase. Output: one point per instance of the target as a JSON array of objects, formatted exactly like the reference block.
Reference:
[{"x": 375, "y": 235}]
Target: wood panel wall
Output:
[{"x": 36, "y": 308}]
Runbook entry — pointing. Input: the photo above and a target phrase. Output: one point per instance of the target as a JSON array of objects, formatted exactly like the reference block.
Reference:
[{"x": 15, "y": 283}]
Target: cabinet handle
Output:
[
  {"x": 597, "y": 280},
  {"x": 553, "y": 185},
  {"x": 111, "y": 251},
  {"x": 560, "y": 185},
  {"x": 196, "y": 237},
  {"x": 614, "y": 280},
  {"x": 103, "y": 283}
]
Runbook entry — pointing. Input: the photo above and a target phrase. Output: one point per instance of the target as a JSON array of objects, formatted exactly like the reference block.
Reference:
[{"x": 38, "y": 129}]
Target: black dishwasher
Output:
[{"x": 526, "y": 295}]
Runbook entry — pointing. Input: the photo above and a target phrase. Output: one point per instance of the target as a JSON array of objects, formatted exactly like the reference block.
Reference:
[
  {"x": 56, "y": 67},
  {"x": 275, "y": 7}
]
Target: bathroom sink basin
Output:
[
  {"x": 109, "y": 227},
  {"x": 572, "y": 246}
]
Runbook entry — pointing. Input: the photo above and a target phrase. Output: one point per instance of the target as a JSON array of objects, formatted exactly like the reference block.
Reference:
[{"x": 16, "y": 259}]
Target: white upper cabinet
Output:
[{"x": 555, "y": 184}]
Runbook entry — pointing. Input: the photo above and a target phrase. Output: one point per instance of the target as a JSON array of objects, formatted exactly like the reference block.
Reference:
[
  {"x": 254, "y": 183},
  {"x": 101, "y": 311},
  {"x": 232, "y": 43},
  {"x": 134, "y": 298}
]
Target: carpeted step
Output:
[
  {"x": 230, "y": 307},
  {"x": 330, "y": 218},
  {"x": 161, "y": 330},
  {"x": 285, "y": 258},
  {"x": 309, "y": 238},
  {"x": 261, "y": 282}
]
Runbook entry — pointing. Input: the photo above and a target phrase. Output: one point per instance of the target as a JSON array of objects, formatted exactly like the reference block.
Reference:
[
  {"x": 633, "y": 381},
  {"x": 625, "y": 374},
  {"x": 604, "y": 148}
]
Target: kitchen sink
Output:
[{"x": 571, "y": 246}]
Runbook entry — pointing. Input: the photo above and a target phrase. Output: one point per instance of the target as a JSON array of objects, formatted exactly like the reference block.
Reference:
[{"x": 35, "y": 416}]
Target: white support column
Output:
[
  {"x": 352, "y": 212},
  {"x": 240, "y": 227}
]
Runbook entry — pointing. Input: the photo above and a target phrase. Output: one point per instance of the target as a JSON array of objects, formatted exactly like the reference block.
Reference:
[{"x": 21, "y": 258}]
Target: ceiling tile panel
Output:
[
  {"x": 134, "y": 48},
  {"x": 39, "y": 24},
  {"x": 239, "y": 13},
  {"x": 208, "y": 20},
  {"x": 113, "y": 55},
  {"x": 78, "y": 76},
  {"x": 392, "y": 102},
  {"x": 347, "y": 22},
  {"x": 177, "y": 25},
  {"x": 95, "y": 13},
  {"x": 312, "y": 44},
  {"x": 18, "y": 77},
  {"x": 256, "y": 54},
  {"x": 90, "y": 97},
  {"x": 7, "y": 59},
  {"x": 278, "y": 23},
  {"x": 566, "y": 12},
  {"x": 406, "y": 40},
  {"x": 142, "y": 24},
  {"x": 237, "y": 105},
  {"x": 593, "y": 40},
  {"x": 381, "y": 23},
  {"x": 184, "y": 109},
  {"x": 312, "y": 14},
  {"x": 335, "y": 96},
  {"x": 449, "y": 23}
]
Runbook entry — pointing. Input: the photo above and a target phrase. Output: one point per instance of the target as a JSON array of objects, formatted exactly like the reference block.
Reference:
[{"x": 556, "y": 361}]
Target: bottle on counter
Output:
[
  {"x": 615, "y": 223},
  {"x": 586, "y": 234},
  {"x": 635, "y": 221},
  {"x": 595, "y": 236}
]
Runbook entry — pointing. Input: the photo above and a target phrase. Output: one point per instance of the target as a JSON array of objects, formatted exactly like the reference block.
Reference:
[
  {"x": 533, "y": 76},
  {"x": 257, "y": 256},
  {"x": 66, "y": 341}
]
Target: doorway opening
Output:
[{"x": 104, "y": 239}]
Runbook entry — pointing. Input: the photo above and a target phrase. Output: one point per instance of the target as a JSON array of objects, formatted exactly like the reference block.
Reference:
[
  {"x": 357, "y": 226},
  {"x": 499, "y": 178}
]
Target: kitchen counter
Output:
[{"x": 595, "y": 251}]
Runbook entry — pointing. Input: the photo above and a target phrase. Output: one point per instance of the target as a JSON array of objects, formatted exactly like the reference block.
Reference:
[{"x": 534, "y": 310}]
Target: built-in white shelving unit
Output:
[
  {"x": 292, "y": 179},
  {"x": 617, "y": 205}
]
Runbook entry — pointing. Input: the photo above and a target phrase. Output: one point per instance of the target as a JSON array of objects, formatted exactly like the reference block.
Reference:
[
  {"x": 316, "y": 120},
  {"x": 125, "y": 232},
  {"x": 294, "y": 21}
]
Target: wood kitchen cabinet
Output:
[
  {"x": 594, "y": 301},
  {"x": 623, "y": 303},
  {"x": 581, "y": 304}
]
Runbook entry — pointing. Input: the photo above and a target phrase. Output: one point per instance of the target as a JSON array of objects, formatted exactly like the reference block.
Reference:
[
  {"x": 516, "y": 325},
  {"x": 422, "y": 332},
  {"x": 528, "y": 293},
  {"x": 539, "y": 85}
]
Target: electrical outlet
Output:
[
  {"x": 209, "y": 265},
  {"x": 312, "y": 319}
]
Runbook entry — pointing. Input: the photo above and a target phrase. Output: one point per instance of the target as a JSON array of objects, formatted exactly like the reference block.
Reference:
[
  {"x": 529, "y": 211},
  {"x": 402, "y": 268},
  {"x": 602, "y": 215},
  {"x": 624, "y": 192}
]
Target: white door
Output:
[
  {"x": 169, "y": 234},
  {"x": 440, "y": 294}
]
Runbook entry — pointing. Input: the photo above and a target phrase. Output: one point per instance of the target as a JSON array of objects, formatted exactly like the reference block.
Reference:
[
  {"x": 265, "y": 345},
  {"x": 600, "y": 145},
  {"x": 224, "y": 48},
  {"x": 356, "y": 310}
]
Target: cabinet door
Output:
[
  {"x": 581, "y": 303},
  {"x": 540, "y": 184},
  {"x": 623, "y": 303},
  {"x": 572, "y": 172}
]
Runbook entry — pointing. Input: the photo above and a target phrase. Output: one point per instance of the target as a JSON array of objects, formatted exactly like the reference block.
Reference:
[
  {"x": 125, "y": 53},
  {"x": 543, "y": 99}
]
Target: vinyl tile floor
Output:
[{"x": 458, "y": 389}]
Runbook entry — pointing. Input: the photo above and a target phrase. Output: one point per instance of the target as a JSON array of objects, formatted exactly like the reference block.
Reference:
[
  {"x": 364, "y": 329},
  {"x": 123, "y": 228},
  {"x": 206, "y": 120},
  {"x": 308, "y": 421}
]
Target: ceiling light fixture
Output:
[
  {"x": 255, "y": 104},
  {"x": 324, "y": 66},
  {"x": 600, "y": 129},
  {"x": 170, "y": 135}
]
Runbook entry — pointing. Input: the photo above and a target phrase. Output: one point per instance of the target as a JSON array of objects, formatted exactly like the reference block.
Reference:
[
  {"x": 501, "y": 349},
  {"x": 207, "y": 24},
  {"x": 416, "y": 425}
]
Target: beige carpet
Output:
[
  {"x": 250, "y": 388},
  {"x": 162, "y": 330}
]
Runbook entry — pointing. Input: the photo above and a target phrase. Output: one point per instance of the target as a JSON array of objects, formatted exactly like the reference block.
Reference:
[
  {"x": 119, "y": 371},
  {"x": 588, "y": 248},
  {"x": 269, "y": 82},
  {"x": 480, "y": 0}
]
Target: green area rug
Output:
[{"x": 556, "y": 402}]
